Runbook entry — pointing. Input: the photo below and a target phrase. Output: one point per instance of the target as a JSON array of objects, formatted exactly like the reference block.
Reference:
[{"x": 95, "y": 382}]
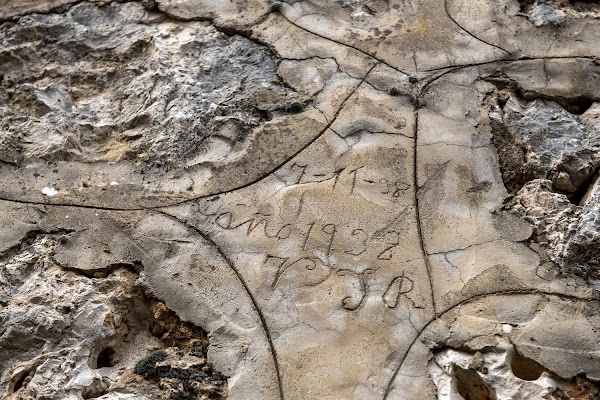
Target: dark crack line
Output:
[
  {"x": 288, "y": 159},
  {"x": 415, "y": 175},
  {"x": 422, "y": 244},
  {"x": 509, "y": 60},
  {"x": 476, "y": 245},
  {"x": 246, "y": 288},
  {"x": 357, "y": 133},
  {"x": 245, "y": 185},
  {"x": 446, "y": 7},
  {"x": 453, "y": 68},
  {"x": 456, "y": 144},
  {"x": 421, "y": 93},
  {"x": 450, "y": 69},
  {"x": 92, "y": 207},
  {"x": 374, "y": 57},
  {"x": 244, "y": 31},
  {"x": 467, "y": 301}
]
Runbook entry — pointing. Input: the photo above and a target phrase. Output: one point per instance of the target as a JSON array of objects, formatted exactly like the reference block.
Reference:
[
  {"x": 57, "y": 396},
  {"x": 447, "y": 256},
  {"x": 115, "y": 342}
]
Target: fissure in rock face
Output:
[{"x": 299, "y": 200}]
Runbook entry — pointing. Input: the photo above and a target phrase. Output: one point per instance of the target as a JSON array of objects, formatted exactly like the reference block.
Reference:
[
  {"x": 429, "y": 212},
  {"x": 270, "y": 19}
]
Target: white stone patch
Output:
[
  {"x": 494, "y": 369},
  {"x": 49, "y": 191}
]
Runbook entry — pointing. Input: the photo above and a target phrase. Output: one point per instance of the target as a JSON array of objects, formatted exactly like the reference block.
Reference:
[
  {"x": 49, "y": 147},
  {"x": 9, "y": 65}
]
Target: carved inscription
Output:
[
  {"x": 361, "y": 237},
  {"x": 227, "y": 221},
  {"x": 396, "y": 189},
  {"x": 399, "y": 286},
  {"x": 392, "y": 241},
  {"x": 352, "y": 303},
  {"x": 308, "y": 253},
  {"x": 283, "y": 264},
  {"x": 348, "y": 178}
]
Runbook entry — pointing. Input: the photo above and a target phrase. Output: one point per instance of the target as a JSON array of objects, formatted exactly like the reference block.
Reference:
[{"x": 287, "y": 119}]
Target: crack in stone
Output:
[
  {"x": 246, "y": 288},
  {"x": 469, "y": 300},
  {"x": 422, "y": 243},
  {"x": 417, "y": 190},
  {"x": 344, "y": 44},
  {"x": 446, "y": 8}
]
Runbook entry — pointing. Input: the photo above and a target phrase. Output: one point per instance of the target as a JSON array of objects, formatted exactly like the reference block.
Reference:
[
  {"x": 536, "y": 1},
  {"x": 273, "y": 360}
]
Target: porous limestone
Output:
[{"x": 305, "y": 199}]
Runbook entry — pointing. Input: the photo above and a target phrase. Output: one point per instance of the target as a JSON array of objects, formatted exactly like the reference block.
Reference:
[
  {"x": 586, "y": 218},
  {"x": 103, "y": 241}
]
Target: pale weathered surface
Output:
[{"x": 348, "y": 199}]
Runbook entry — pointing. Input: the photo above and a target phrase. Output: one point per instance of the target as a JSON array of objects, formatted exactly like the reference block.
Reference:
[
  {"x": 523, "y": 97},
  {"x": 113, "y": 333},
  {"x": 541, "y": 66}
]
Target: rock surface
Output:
[{"x": 299, "y": 200}]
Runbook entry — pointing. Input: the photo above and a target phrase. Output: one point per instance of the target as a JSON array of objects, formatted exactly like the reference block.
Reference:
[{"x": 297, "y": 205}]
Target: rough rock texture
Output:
[
  {"x": 558, "y": 11},
  {"x": 306, "y": 199},
  {"x": 550, "y": 158},
  {"x": 501, "y": 373},
  {"x": 119, "y": 83},
  {"x": 67, "y": 335}
]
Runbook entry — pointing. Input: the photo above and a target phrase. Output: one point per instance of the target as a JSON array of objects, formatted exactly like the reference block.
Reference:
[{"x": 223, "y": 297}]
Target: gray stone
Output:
[
  {"x": 299, "y": 200},
  {"x": 556, "y": 144}
]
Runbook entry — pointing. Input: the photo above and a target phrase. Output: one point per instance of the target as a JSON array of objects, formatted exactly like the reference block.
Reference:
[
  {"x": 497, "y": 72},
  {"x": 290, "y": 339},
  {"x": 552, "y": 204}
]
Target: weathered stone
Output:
[
  {"x": 556, "y": 145},
  {"x": 579, "y": 253},
  {"x": 299, "y": 200},
  {"x": 65, "y": 335},
  {"x": 500, "y": 373}
]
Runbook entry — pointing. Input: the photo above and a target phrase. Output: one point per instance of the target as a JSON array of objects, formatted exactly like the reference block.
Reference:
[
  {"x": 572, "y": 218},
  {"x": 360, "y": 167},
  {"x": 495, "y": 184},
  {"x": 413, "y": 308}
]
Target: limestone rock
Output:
[
  {"x": 555, "y": 143},
  {"x": 64, "y": 335},
  {"x": 580, "y": 252},
  {"x": 116, "y": 83},
  {"x": 305, "y": 199},
  {"x": 500, "y": 373},
  {"x": 554, "y": 154}
]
